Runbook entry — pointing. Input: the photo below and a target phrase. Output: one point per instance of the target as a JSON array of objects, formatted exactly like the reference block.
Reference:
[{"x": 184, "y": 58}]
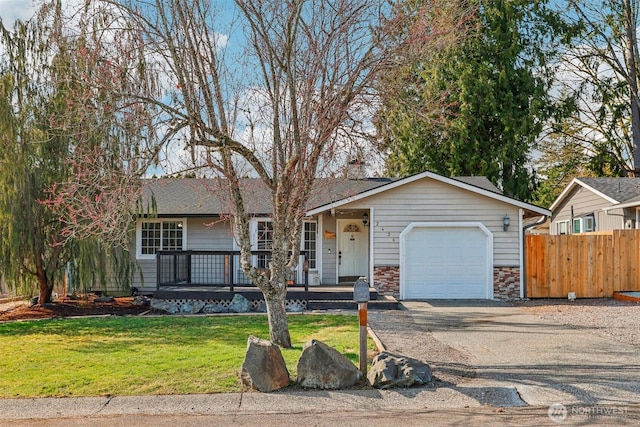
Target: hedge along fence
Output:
[{"x": 593, "y": 265}]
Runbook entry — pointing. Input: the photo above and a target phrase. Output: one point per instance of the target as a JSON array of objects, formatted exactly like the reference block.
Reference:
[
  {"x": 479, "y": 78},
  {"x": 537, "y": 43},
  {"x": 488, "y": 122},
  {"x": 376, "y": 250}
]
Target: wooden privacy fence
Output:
[{"x": 593, "y": 265}]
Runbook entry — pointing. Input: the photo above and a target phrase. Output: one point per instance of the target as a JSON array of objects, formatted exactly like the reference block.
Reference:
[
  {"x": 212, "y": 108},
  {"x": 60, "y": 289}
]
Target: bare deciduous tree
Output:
[
  {"x": 601, "y": 71},
  {"x": 271, "y": 89}
]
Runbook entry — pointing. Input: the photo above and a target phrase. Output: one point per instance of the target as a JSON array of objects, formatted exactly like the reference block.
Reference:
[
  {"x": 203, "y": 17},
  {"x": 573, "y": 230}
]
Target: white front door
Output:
[{"x": 353, "y": 248}]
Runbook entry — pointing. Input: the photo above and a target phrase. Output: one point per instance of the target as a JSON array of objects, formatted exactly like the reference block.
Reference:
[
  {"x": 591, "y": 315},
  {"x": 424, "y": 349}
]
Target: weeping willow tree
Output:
[{"x": 42, "y": 136}]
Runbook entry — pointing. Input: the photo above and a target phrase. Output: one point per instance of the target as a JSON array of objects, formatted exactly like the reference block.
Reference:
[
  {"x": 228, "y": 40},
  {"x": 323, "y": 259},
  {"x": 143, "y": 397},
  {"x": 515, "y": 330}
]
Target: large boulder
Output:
[
  {"x": 192, "y": 306},
  {"x": 390, "y": 370},
  {"x": 164, "y": 306},
  {"x": 263, "y": 368},
  {"x": 239, "y": 304},
  {"x": 214, "y": 308},
  {"x": 294, "y": 306},
  {"x": 324, "y": 367}
]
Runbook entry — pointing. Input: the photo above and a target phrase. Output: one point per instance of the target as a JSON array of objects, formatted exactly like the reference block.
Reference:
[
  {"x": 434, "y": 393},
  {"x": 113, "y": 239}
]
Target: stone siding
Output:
[
  {"x": 386, "y": 280},
  {"x": 506, "y": 283}
]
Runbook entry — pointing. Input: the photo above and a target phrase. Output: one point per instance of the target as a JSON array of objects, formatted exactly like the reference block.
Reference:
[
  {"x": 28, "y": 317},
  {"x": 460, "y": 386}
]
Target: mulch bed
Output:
[{"x": 67, "y": 307}]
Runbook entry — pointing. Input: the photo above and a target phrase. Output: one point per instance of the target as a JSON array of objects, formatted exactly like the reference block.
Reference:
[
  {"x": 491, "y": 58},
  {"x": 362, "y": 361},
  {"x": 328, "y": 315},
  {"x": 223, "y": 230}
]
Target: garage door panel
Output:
[{"x": 446, "y": 263}]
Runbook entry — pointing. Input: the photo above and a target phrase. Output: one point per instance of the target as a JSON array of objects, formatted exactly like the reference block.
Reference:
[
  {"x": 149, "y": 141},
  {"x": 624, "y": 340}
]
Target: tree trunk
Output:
[
  {"x": 277, "y": 315},
  {"x": 632, "y": 64},
  {"x": 45, "y": 288}
]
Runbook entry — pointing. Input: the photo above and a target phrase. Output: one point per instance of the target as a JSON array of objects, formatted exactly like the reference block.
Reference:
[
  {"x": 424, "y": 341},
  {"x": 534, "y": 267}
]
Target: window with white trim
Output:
[
  {"x": 588, "y": 224},
  {"x": 584, "y": 224},
  {"x": 562, "y": 227},
  {"x": 264, "y": 242},
  {"x": 577, "y": 225},
  {"x": 159, "y": 235},
  {"x": 309, "y": 243}
]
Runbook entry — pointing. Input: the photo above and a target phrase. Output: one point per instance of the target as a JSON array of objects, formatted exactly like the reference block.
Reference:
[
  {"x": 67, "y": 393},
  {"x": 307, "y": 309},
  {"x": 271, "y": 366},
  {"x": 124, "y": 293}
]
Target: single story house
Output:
[
  {"x": 596, "y": 204},
  {"x": 425, "y": 236}
]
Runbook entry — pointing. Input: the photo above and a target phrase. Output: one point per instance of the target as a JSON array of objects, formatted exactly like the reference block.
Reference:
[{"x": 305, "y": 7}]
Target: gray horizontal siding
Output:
[
  {"x": 431, "y": 201},
  {"x": 205, "y": 234},
  {"x": 584, "y": 202},
  {"x": 329, "y": 251}
]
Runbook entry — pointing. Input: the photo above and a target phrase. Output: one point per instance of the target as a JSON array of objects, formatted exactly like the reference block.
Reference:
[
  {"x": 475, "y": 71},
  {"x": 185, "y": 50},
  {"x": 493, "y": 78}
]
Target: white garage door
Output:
[{"x": 446, "y": 261}]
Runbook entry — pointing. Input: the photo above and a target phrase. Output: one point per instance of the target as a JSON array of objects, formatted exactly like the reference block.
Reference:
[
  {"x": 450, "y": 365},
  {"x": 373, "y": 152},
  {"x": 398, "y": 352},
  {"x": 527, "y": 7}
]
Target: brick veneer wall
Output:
[
  {"x": 506, "y": 283},
  {"x": 386, "y": 279}
]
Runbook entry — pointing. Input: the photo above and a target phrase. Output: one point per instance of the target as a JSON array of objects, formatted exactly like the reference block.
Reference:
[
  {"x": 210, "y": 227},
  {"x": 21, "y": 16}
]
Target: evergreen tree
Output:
[{"x": 488, "y": 98}]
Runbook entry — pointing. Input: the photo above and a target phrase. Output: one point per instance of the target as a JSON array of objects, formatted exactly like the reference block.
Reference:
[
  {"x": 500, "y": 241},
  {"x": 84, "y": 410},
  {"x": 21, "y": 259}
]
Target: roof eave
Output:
[
  {"x": 622, "y": 206},
  {"x": 440, "y": 178},
  {"x": 571, "y": 185}
]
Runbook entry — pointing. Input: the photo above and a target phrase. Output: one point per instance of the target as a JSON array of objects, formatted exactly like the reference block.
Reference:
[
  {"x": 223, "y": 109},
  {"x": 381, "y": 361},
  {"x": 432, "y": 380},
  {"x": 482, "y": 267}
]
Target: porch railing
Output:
[{"x": 216, "y": 269}]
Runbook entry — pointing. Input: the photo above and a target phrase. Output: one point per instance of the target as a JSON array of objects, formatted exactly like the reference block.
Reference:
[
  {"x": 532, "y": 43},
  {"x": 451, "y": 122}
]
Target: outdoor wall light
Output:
[
  {"x": 505, "y": 222},
  {"x": 365, "y": 219}
]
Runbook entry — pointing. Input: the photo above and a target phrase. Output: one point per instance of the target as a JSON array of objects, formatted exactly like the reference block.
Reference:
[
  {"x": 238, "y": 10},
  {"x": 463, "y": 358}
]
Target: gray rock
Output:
[
  {"x": 192, "y": 306},
  {"x": 141, "y": 300},
  {"x": 294, "y": 307},
  {"x": 33, "y": 301},
  {"x": 214, "y": 308},
  {"x": 104, "y": 299},
  {"x": 263, "y": 368},
  {"x": 261, "y": 307},
  {"x": 164, "y": 306},
  {"x": 324, "y": 367},
  {"x": 239, "y": 304},
  {"x": 389, "y": 370}
]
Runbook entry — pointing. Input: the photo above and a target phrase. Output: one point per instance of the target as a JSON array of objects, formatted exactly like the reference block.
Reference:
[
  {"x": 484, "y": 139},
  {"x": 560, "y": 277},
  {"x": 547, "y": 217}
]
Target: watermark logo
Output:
[{"x": 558, "y": 412}]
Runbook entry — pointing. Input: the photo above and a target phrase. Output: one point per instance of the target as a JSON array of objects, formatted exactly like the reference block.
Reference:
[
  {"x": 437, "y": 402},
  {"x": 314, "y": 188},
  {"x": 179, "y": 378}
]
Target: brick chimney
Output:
[{"x": 355, "y": 169}]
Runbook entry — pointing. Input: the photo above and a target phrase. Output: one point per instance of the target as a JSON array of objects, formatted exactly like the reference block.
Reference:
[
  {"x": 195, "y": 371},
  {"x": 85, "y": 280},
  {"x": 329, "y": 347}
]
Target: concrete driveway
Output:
[{"x": 545, "y": 363}]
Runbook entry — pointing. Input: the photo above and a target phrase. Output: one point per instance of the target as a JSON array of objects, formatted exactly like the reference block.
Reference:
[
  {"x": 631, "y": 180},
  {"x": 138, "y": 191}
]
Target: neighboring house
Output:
[
  {"x": 537, "y": 225},
  {"x": 424, "y": 236},
  {"x": 596, "y": 204}
]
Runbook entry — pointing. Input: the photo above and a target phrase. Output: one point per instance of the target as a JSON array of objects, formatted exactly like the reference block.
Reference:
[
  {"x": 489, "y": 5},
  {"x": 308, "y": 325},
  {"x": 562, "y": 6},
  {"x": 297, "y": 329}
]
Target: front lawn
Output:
[{"x": 148, "y": 355}]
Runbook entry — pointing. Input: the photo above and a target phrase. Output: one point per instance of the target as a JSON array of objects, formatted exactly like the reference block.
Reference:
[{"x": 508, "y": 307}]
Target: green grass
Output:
[{"x": 152, "y": 355}]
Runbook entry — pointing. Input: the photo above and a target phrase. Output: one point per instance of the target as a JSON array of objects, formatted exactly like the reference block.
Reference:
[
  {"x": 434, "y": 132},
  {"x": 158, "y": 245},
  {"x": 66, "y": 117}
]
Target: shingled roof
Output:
[
  {"x": 618, "y": 191},
  {"x": 204, "y": 197}
]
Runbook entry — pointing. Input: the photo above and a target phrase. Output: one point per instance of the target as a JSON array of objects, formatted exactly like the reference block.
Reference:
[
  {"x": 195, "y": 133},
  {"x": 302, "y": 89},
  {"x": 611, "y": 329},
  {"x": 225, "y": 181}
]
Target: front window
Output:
[
  {"x": 310, "y": 243},
  {"x": 264, "y": 242},
  {"x": 159, "y": 235}
]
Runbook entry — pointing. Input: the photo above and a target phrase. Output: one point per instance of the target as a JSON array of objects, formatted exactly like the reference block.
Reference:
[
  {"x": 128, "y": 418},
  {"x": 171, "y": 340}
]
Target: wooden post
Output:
[
  {"x": 362, "y": 296},
  {"x": 362, "y": 315}
]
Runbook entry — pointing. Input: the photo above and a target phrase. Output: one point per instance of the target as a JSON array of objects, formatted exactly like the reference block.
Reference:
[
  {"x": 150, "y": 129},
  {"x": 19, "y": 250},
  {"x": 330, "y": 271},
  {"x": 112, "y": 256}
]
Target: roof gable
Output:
[
  {"x": 614, "y": 190},
  {"x": 481, "y": 185}
]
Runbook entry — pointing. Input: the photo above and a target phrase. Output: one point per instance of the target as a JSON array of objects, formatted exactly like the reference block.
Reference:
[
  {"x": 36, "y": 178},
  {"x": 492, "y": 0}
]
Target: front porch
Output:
[
  {"x": 215, "y": 277},
  {"x": 315, "y": 298}
]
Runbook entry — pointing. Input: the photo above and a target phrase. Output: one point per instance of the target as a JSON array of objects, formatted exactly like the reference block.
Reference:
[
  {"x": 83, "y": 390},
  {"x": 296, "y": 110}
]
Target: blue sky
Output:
[{"x": 10, "y": 10}]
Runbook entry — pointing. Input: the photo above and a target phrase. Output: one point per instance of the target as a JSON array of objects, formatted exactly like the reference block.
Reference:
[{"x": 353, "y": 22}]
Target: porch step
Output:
[
  {"x": 383, "y": 302},
  {"x": 327, "y": 294}
]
